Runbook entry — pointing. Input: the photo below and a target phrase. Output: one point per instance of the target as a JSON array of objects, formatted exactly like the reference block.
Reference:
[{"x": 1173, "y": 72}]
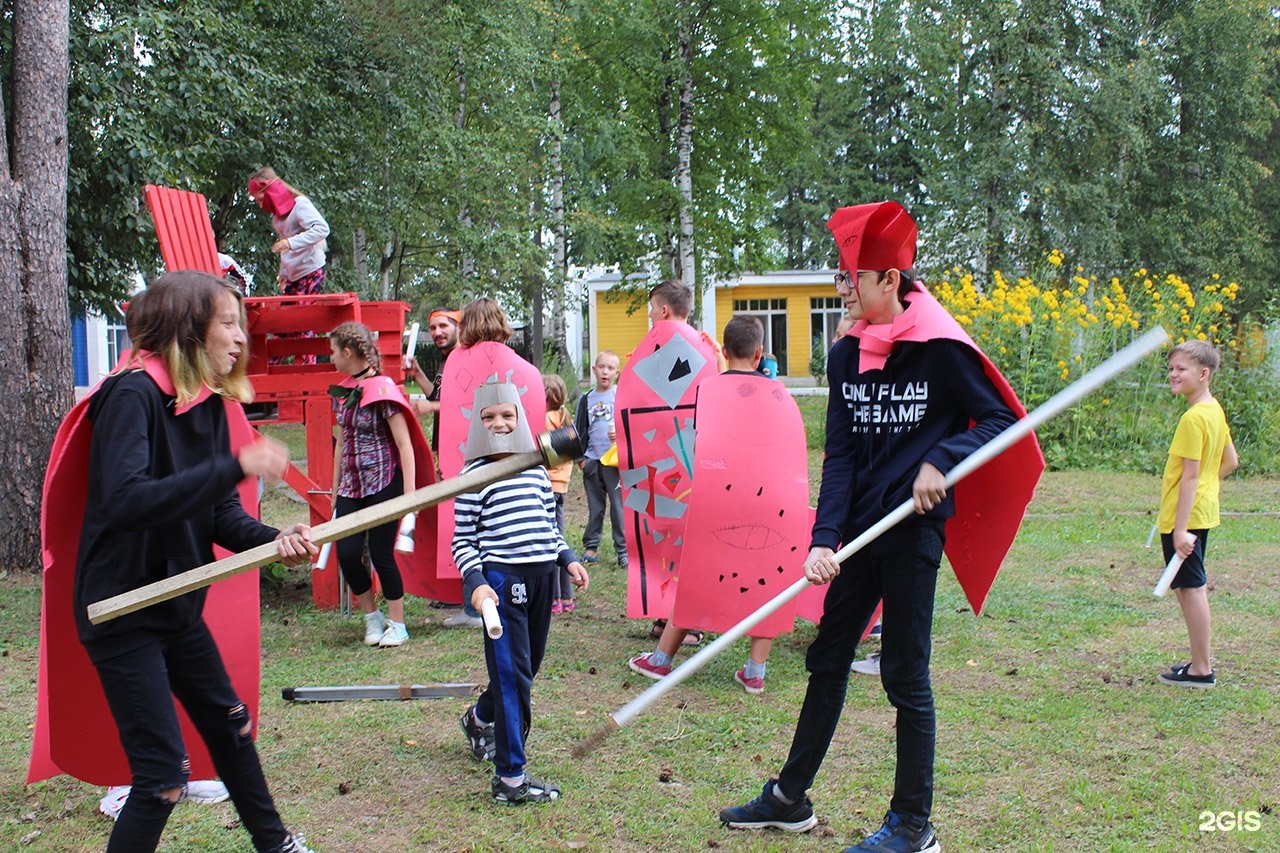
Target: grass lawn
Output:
[{"x": 1053, "y": 731}]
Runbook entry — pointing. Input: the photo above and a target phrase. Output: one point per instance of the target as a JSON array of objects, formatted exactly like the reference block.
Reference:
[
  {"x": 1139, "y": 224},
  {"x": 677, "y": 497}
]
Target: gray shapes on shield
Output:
[
  {"x": 681, "y": 446},
  {"x": 671, "y": 369},
  {"x": 668, "y": 508},
  {"x": 637, "y": 501},
  {"x": 632, "y": 477}
]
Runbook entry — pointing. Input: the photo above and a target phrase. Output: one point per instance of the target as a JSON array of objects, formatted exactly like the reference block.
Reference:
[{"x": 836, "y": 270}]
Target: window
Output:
[
  {"x": 825, "y": 313},
  {"x": 773, "y": 315},
  {"x": 117, "y": 342}
]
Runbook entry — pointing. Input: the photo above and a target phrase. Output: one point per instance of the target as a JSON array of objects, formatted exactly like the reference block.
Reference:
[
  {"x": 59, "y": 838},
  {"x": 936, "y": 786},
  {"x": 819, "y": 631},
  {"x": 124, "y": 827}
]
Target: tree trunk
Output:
[
  {"x": 359, "y": 246},
  {"x": 36, "y": 386},
  {"x": 560, "y": 238},
  {"x": 684, "y": 171},
  {"x": 466, "y": 261}
]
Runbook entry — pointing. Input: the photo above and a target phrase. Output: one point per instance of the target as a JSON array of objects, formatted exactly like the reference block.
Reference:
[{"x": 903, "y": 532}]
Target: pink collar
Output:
[
  {"x": 877, "y": 340},
  {"x": 154, "y": 365}
]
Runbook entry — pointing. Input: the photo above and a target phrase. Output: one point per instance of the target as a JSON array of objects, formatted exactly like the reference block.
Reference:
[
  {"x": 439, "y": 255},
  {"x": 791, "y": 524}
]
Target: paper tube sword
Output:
[
  {"x": 1069, "y": 396},
  {"x": 489, "y": 615},
  {"x": 1170, "y": 572},
  {"x": 554, "y": 448}
]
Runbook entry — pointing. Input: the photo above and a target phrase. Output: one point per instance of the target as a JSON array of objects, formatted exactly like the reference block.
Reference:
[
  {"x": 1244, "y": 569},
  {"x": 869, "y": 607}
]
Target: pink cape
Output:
[
  {"x": 464, "y": 370},
  {"x": 748, "y": 524},
  {"x": 991, "y": 501},
  {"x": 74, "y": 730},
  {"x": 417, "y": 568},
  {"x": 654, "y": 421}
]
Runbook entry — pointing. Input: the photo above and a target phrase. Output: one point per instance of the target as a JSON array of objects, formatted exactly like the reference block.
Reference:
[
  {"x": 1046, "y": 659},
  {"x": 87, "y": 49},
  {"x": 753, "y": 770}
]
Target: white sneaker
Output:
[
  {"x": 462, "y": 620},
  {"x": 113, "y": 802},
  {"x": 395, "y": 635},
  {"x": 870, "y": 666},
  {"x": 296, "y": 843},
  {"x": 199, "y": 791},
  {"x": 204, "y": 791},
  {"x": 375, "y": 624}
]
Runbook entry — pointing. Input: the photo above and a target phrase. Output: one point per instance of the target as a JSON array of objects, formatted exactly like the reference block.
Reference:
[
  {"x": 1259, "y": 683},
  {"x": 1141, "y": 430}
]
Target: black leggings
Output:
[{"x": 382, "y": 546}]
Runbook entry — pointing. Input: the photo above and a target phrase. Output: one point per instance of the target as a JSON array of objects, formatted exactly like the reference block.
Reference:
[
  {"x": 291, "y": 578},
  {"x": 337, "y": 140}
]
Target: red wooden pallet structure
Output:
[{"x": 283, "y": 331}]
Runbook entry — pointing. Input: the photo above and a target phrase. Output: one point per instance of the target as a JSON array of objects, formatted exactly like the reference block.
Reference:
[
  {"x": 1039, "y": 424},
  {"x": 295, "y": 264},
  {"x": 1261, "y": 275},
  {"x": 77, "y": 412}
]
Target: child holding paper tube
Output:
[
  {"x": 1201, "y": 454},
  {"x": 509, "y": 550},
  {"x": 373, "y": 462}
]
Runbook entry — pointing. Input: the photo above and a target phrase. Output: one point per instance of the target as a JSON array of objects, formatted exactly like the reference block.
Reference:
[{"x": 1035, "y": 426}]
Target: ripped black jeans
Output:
[{"x": 140, "y": 686}]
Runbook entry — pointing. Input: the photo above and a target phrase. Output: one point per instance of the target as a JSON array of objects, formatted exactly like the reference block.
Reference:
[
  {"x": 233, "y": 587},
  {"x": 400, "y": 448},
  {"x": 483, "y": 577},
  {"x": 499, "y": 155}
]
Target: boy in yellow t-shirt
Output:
[{"x": 1201, "y": 454}]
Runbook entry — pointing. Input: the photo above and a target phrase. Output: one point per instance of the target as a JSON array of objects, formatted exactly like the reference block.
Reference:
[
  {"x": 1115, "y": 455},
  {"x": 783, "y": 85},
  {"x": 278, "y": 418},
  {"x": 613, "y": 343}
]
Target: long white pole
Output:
[{"x": 1055, "y": 405}]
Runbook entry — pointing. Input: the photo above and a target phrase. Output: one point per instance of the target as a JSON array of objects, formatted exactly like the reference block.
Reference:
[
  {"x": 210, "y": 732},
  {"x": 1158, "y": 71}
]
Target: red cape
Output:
[
  {"x": 991, "y": 501},
  {"x": 418, "y": 568},
  {"x": 74, "y": 730}
]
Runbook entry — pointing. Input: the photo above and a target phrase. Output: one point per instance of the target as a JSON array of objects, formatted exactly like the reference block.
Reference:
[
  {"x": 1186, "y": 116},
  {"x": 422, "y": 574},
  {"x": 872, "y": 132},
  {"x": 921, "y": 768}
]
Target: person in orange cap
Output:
[{"x": 911, "y": 396}]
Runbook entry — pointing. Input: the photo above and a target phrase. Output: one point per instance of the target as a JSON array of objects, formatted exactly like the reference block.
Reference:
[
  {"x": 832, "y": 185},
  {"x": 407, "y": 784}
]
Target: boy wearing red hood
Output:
[{"x": 911, "y": 396}]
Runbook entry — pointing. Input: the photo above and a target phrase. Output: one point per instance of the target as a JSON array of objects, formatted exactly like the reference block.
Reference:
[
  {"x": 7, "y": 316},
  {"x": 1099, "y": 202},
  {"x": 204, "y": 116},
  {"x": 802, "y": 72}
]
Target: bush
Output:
[{"x": 1048, "y": 328}]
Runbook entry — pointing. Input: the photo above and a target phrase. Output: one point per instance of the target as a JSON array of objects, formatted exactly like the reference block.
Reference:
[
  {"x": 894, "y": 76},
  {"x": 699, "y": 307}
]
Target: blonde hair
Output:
[
  {"x": 483, "y": 320},
  {"x": 172, "y": 317},
  {"x": 1201, "y": 352},
  {"x": 361, "y": 340},
  {"x": 268, "y": 174}
]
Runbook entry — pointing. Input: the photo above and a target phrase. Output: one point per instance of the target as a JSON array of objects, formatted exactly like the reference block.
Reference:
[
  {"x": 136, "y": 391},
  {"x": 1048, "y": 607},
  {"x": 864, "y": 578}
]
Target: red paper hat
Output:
[{"x": 877, "y": 236}]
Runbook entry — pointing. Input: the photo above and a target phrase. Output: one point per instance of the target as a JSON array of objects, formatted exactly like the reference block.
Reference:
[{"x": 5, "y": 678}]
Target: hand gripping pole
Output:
[
  {"x": 1064, "y": 399},
  {"x": 554, "y": 448}
]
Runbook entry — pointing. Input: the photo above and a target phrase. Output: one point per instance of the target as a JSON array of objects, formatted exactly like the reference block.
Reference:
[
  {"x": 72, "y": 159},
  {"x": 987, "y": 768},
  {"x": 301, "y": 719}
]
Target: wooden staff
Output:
[
  {"x": 1069, "y": 396},
  {"x": 554, "y": 448}
]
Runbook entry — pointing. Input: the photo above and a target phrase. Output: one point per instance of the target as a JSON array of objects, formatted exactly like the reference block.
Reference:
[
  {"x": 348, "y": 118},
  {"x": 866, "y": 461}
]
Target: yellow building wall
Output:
[
  {"x": 798, "y": 318},
  {"x": 616, "y": 329}
]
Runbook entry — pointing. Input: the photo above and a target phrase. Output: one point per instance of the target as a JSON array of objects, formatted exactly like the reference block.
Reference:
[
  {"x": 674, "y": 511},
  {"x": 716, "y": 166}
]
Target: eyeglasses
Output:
[{"x": 845, "y": 280}]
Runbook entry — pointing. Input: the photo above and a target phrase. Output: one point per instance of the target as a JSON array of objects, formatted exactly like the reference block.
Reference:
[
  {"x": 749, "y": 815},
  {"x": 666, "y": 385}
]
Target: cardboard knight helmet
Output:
[{"x": 481, "y": 442}]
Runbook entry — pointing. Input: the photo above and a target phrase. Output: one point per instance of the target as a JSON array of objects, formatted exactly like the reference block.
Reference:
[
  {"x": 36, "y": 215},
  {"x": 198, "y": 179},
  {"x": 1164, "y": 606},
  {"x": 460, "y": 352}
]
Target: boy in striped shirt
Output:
[{"x": 508, "y": 547}]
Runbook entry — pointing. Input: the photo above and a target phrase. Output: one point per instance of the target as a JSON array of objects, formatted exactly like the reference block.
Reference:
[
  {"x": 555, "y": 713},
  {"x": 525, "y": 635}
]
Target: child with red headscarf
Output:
[{"x": 300, "y": 228}]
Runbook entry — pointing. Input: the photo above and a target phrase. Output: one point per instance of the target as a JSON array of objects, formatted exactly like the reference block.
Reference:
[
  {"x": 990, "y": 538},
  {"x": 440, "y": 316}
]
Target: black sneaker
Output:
[
  {"x": 531, "y": 790},
  {"x": 1181, "y": 676},
  {"x": 480, "y": 738},
  {"x": 767, "y": 810},
  {"x": 894, "y": 836}
]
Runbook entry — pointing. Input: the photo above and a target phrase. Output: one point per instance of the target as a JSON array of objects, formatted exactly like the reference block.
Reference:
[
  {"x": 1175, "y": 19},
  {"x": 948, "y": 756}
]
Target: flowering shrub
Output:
[{"x": 1046, "y": 329}]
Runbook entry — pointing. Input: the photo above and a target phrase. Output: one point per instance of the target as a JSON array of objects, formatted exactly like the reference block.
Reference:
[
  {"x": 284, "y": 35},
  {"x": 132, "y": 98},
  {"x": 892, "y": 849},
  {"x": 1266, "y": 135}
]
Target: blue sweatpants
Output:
[{"x": 524, "y": 605}]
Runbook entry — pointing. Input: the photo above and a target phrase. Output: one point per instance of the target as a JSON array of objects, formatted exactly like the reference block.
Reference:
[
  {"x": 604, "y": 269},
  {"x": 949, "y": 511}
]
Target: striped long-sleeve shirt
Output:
[{"x": 511, "y": 524}]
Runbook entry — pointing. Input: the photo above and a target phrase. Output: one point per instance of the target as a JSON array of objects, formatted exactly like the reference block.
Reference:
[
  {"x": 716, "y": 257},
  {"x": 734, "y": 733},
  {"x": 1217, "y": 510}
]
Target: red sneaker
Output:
[
  {"x": 641, "y": 665},
  {"x": 751, "y": 685}
]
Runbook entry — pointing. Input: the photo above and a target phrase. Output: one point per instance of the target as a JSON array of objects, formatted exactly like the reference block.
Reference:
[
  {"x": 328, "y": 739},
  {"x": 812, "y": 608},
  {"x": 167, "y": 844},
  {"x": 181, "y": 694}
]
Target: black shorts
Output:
[{"x": 1192, "y": 573}]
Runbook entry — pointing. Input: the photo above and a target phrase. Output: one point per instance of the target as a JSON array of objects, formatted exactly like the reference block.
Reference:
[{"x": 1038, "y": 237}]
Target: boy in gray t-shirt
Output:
[{"x": 594, "y": 422}]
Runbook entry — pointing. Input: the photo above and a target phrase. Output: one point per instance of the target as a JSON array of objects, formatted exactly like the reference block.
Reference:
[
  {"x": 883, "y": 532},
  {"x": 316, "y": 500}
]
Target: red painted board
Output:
[
  {"x": 654, "y": 422},
  {"x": 747, "y": 530},
  {"x": 464, "y": 370},
  {"x": 183, "y": 229}
]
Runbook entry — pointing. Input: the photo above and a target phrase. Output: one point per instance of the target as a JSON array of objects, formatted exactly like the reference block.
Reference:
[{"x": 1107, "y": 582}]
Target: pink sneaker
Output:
[
  {"x": 557, "y": 607},
  {"x": 641, "y": 665},
  {"x": 751, "y": 685},
  {"x": 569, "y": 606}
]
